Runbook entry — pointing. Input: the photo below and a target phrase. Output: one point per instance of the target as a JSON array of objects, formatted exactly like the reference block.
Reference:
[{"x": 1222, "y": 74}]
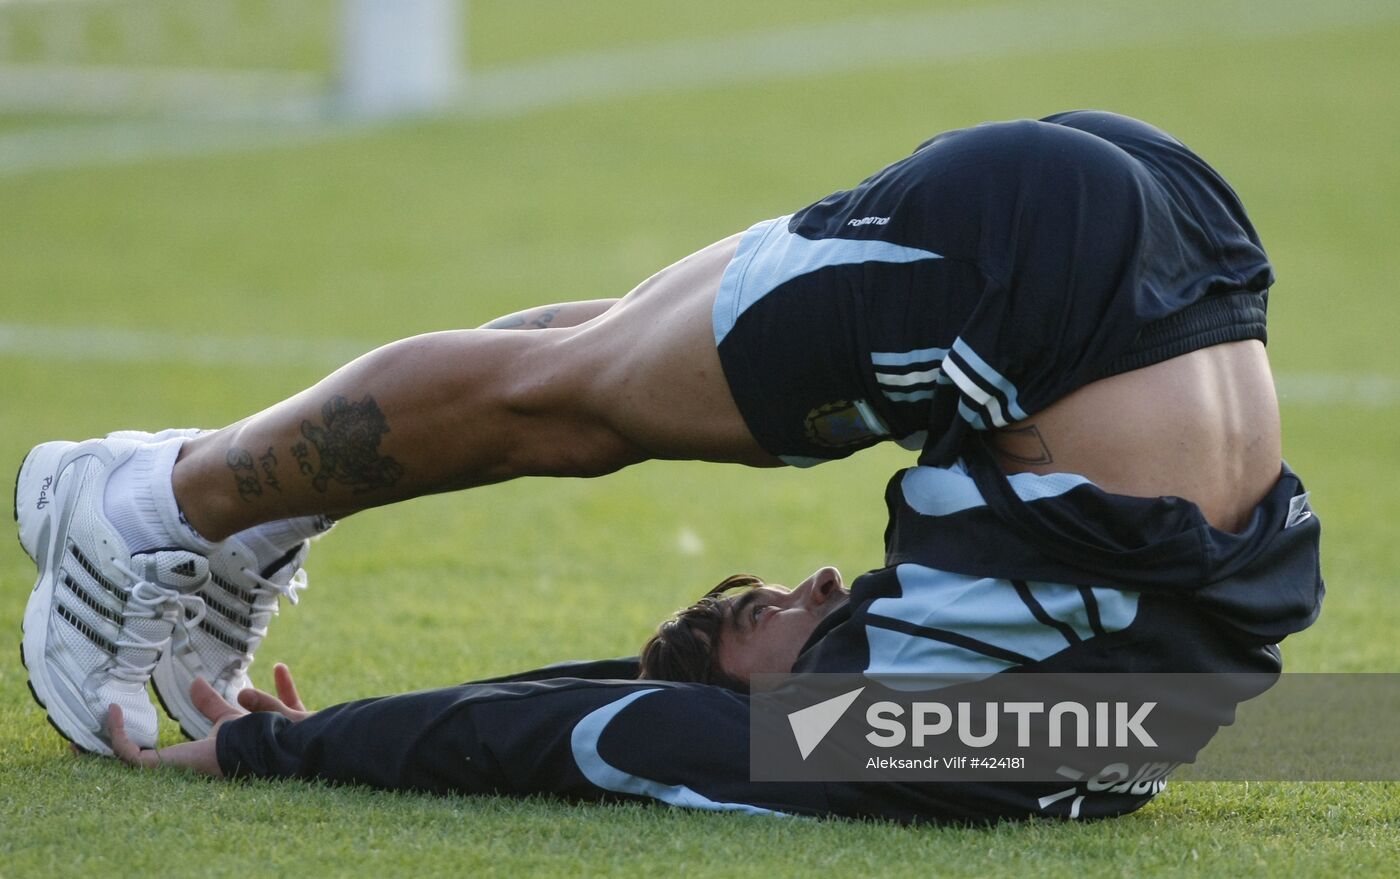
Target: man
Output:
[
  {"x": 1067, "y": 316},
  {"x": 588, "y": 732}
]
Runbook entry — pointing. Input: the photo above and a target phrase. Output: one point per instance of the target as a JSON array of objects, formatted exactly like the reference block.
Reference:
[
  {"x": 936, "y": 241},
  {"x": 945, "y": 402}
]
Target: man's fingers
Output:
[
  {"x": 286, "y": 687},
  {"x": 210, "y": 703},
  {"x": 256, "y": 700},
  {"x": 125, "y": 749},
  {"x": 289, "y": 704}
]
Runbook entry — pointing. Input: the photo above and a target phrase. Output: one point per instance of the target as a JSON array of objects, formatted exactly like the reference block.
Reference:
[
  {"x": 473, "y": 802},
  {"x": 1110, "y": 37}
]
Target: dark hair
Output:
[{"x": 686, "y": 647}]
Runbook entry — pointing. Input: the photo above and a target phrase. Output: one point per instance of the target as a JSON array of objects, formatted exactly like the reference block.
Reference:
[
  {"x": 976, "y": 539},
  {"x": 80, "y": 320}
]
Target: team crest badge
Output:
[{"x": 835, "y": 425}]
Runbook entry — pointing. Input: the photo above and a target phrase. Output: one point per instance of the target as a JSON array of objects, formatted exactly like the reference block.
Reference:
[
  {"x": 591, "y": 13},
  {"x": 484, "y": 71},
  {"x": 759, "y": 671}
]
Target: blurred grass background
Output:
[{"x": 365, "y": 237}]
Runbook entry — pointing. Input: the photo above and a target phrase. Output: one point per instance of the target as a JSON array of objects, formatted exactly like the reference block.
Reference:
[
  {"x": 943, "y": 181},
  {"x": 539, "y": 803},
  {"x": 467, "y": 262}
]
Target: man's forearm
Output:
[{"x": 477, "y": 738}]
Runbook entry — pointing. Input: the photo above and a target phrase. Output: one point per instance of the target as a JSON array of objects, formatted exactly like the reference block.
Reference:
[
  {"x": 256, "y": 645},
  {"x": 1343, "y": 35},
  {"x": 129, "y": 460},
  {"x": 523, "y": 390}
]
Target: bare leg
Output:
[
  {"x": 557, "y": 316},
  {"x": 636, "y": 380}
]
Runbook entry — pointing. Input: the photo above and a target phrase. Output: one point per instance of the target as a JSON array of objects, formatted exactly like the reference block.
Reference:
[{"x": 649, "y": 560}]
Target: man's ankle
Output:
[{"x": 140, "y": 502}]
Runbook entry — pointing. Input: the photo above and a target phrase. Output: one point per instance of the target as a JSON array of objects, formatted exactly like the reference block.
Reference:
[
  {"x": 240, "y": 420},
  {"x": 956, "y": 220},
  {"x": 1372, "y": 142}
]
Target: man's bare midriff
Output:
[{"x": 1203, "y": 426}]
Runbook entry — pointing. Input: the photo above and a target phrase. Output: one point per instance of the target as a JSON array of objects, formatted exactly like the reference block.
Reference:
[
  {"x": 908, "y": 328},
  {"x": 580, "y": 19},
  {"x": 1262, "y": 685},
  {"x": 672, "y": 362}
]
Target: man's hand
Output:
[
  {"x": 287, "y": 702},
  {"x": 201, "y": 755}
]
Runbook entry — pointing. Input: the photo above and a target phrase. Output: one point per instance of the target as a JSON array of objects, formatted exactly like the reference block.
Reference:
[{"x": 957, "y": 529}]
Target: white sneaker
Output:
[
  {"x": 98, "y": 617},
  {"x": 245, "y": 584}
]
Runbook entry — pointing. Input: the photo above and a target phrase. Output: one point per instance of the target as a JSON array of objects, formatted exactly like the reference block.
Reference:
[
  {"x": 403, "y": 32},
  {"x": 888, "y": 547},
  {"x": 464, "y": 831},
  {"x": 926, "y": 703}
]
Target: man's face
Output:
[{"x": 764, "y": 628}]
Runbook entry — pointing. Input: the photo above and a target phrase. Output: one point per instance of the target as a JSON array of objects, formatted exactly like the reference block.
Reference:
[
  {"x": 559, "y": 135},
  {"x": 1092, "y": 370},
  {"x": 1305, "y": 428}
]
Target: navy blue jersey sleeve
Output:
[{"x": 681, "y": 744}]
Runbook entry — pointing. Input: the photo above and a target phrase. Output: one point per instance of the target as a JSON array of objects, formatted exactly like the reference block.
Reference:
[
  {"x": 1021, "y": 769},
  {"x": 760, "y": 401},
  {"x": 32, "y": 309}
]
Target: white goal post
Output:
[
  {"x": 278, "y": 58},
  {"x": 400, "y": 55}
]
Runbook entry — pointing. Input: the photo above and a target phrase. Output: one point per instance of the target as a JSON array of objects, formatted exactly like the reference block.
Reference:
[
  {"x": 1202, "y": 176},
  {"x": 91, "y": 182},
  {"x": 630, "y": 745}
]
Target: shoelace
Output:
[
  {"x": 291, "y": 589},
  {"x": 151, "y": 601}
]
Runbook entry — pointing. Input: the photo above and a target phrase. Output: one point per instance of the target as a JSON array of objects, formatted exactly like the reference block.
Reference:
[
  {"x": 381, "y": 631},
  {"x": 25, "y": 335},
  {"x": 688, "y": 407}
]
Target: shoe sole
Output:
[{"x": 35, "y": 512}]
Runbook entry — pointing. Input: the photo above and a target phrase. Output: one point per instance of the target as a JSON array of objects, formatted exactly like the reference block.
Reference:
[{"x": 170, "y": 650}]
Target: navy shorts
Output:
[{"x": 987, "y": 275}]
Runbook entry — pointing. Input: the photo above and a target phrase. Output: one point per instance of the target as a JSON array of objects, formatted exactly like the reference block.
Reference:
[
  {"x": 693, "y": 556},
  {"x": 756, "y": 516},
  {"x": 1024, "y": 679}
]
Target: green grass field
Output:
[{"x": 357, "y": 240}]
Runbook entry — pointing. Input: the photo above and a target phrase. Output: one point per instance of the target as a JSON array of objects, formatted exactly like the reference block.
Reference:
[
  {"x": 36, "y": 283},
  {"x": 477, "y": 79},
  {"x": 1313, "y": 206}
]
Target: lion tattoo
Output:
[{"x": 349, "y": 446}]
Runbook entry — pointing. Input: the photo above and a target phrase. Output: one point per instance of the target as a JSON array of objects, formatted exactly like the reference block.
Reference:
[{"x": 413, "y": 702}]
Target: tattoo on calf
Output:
[
  {"x": 245, "y": 475},
  {"x": 302, "y": 452},
  {"x": 268, "y": 462},
  {"x": 509, "y": 322},
  {"x": 545, "y": 318},
  {"x": 1030, "y": 446},
  {"x": 251, "y": 476},
  {"x": 348, "y": 447},
  {"x": 538, "y": 320}
]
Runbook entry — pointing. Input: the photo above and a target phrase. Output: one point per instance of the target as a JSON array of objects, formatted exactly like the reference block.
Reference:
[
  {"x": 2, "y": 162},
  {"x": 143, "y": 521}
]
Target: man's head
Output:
[{"x": 725, "y": 638}]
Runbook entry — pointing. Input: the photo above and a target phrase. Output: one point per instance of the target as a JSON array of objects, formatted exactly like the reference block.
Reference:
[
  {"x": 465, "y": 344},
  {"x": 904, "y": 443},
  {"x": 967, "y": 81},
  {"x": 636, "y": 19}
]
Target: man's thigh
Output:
[
  {"x": 790, "y": 379},
  {"x": 648, "y": 368}
]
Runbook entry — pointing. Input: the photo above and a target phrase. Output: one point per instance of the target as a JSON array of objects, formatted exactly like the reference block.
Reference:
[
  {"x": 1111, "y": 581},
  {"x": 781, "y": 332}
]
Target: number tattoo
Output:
[{"x": 245, "y": 475}]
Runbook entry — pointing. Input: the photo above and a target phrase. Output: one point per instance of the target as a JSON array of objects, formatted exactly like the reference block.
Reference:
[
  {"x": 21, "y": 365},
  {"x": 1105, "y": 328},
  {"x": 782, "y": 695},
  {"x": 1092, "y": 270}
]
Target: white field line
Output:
[
  {"x": 110, "y": 345},
  {"x": 118, "y": 346},
  {"x": 1324, "y": 388},
  {"x": 101, "y": 91},
  {"x": 1003, "y": 31},
  {"x": 872, "y": 42}
]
